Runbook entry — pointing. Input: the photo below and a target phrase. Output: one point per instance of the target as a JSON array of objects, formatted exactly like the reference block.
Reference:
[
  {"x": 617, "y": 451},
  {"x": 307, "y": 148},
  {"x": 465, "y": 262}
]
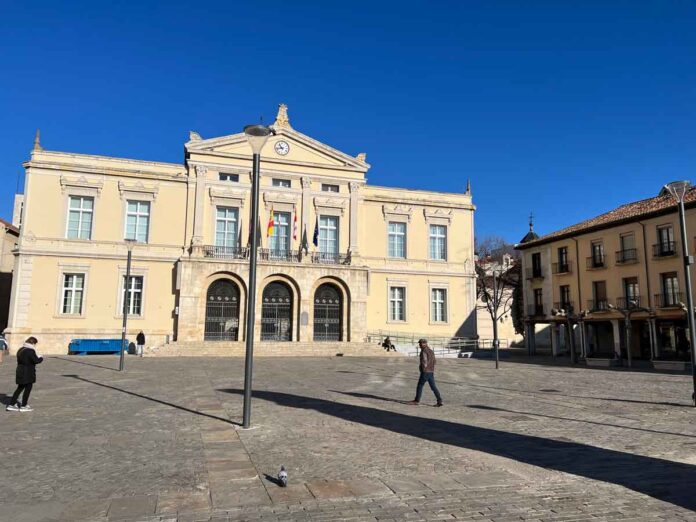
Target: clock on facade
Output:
[{"x": 282, "y": 147}]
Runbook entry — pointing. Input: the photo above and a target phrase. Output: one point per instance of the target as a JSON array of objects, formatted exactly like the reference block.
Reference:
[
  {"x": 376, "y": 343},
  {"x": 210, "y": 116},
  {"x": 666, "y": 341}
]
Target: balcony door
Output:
[
  {"x": 328, "y": 238},
  {"x": 279, "y": 240}
]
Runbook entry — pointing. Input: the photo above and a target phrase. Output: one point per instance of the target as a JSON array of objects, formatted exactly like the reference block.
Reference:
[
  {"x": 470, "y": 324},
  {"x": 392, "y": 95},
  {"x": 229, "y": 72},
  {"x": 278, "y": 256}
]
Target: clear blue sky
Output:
[{"x": 566, "y": 109}]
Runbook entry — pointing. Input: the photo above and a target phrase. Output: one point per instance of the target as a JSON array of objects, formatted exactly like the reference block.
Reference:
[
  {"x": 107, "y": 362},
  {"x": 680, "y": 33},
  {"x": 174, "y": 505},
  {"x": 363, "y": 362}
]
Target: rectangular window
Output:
[
  {"x": 597, "y": 254},
  {"x": 328, "y": 235},
  {"x": 281, "y": 183},
  {"x": 538, "y": 302},
  {"x": 438, "y": 305},
  {"x": 73, "y": 289},
  {"x": 228, "y": 177},
  {"x": 438, "y": 242},
  {"x": 133, "y": 295},
  {"x": 670, "y": 289},
  {"x": 397, "y": 296},
  {"x": 536, "y": 265},
  {"x": 226, "y": 227},
  {"x": 279, "y": 242},
  {"x": 631, "y": 292},
  {"x": 329, "y": 188},
  {"x": 565, "y": 297},
  {"x": 397, "y": 239},
  {"x": 138, "y": 220},
  {"x": 628, "y": 242},
  {"x": 599, "y": 291},
  {"x": 80, "y": 213},
  {"x": 563, "y": 258}
]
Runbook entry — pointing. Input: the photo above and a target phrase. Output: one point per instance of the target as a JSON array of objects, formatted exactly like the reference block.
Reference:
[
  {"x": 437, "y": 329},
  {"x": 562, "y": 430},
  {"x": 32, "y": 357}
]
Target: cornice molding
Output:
[
  {"x": 81, "y": 183},
  {"x": 328, "y": 203},
  {"x": 227, "y": 197},
  {"x": 397, "y": 211},
  {"x": 438, "y": 216},
  {"x": 137, "y": 189}
]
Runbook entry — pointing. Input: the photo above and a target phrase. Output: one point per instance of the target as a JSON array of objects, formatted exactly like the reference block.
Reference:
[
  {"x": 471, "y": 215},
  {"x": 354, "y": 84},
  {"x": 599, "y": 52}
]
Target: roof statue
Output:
[
  {"x": 468, "y": 186},
  {"x": 362, "y": 157},
  {"x": 531, "y": 235},
  {"x": 194, "y": 136},
  {"x": 282, "y": 119},
  {"x": 37, "y": 141}
]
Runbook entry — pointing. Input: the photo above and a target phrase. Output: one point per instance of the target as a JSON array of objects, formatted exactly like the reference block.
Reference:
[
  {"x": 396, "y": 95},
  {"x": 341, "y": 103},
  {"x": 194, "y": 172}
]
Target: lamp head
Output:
[
  {"x": 130, "y": 243},
  {"x": 611, "y": 306},
  {"x": 257, "y": 135},
  {"x": 677, "y": 189}
]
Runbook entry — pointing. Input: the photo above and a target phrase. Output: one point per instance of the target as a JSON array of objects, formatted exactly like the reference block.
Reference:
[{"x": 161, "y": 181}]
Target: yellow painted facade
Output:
[{"x": 191, "y": 221}]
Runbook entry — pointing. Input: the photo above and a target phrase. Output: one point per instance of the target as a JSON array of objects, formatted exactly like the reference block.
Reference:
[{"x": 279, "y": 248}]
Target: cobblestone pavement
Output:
[{"x": 161, "y": 442}]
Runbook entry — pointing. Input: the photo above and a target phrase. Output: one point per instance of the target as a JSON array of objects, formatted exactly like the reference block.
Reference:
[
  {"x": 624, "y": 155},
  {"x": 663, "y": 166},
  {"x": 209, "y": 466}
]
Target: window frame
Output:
[
  {"x": 141, "y": 291},
  {"x": 403, "y": 288},
  {"x": 228, "y": 177},
  {"x": 281, "y": 182},
  {"x": 326, "y": 186},
  {"x": 72, "y": 289},
  {"x": 325, "y": 228},
  {"x": 217, "y": 221},
  {"x": 137, "y": 215},
  {"x": 397, "y": 234},
  {"x": 432, "y": 237},
  {"x": 444, "y": 305},
  {"x": 81, "y": 211}
]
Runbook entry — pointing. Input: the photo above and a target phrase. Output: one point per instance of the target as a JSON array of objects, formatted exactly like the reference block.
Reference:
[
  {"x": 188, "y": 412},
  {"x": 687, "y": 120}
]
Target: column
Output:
[
  {"x": 583, "y": 339},
  {"x": 554, "y": 339},
  {"x": 616, "y": 326},
  {"x": 199, "y": 211},
  {"x": 306, "y": 202},
  {"x": 354, "y": 201},
  {"x": 652, "y": 332}
]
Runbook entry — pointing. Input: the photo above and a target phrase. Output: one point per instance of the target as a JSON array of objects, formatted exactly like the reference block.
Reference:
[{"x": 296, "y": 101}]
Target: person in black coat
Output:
[
  {"x": 140, "y": 344},
  {"x": 27, "y": 359}
]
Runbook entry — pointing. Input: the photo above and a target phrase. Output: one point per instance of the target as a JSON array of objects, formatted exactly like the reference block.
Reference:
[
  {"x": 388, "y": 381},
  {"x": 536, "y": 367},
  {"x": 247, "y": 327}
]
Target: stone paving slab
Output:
[{"x": 162, "y": 442}]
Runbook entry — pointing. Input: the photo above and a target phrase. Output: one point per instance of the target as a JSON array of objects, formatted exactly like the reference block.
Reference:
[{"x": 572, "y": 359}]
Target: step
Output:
[{"x": 268, "y": 349}]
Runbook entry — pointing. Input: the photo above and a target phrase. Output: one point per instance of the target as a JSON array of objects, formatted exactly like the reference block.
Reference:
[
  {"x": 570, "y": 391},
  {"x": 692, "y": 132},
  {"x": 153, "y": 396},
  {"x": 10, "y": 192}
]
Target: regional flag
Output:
[{"x": 271, "y": 221}]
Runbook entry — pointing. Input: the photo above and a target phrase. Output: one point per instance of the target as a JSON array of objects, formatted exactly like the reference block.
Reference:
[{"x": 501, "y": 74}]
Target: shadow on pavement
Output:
[
  {"x": 86, "y": 363},
  {"x": 158, "y": 401},
  {"x": 665, "y": 480},
  {"x": 370, "y": 396},
  {"x": 493, "y": 408}
]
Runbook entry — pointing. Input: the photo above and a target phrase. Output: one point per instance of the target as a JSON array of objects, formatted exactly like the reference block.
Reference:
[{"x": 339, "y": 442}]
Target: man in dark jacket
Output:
[
  {"x": 140, "y": 343},
  {"x": 27, "y": 359},
  {"x": 427, "y": 373}
]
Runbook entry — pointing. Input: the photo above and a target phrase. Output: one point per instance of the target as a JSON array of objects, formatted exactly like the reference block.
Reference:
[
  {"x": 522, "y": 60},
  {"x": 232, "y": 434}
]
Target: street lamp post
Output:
[
  {"x": 256, "y": 136},
  {"x": 678, "y": 190},
  {"x": 126, "y": 288},
  {"x": 496, "y": 341}
]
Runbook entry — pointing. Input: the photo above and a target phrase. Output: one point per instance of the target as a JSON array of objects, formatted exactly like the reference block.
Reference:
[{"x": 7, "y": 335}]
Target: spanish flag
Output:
[{"x": 269, "y": 231}]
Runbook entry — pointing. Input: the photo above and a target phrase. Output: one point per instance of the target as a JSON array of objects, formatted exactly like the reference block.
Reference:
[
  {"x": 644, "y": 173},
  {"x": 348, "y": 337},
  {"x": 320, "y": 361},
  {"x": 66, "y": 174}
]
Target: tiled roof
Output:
[
  {"x": 623, "y": 214},
  {"x": 9, "y": 225}
]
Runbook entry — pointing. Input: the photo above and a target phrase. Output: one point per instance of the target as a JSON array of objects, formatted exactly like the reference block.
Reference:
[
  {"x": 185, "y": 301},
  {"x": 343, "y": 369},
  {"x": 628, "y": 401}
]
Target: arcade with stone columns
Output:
[{"x": 338, "y": 258}]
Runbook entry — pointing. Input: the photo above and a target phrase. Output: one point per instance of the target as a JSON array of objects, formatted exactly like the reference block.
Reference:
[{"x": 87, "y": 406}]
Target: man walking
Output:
[
  {"x": 27, "y": 359},
  {"x": 427, "y": 373},
  {"x": 140, "y": 343}
]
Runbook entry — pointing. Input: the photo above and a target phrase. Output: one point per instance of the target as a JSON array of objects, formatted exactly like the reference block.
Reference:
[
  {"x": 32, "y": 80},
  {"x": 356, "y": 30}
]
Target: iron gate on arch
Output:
[
  {"x": 222, "y": 311},
  {"x": 276, "y": 313},
  {"x": 328, "y": 313}
]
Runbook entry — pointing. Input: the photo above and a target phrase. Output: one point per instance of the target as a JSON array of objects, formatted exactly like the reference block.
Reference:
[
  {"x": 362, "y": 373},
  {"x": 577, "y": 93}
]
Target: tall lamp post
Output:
[
  {"x": 678, "y": 190},
  {"x": 496, "y": 303},
  {"x": 126, "y": 289},
  {"x": 256, "y": 135}
]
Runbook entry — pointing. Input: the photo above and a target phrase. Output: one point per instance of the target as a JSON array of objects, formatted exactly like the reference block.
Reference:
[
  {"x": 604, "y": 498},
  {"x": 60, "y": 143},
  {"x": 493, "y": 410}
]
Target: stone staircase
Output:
[{"x": 268, "y": 349}]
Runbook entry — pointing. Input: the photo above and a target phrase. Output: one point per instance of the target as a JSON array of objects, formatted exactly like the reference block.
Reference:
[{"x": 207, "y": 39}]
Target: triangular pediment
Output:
[{"x": 301, "y": 150}]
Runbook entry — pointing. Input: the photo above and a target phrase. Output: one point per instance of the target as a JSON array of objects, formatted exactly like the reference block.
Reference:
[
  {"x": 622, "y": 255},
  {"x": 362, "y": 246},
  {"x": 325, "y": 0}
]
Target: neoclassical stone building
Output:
[{"x": 338, "y": 258}]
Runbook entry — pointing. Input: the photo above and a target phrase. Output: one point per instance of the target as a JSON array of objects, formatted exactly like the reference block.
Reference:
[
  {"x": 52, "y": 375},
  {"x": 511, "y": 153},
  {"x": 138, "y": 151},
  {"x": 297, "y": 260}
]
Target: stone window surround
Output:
[
  {"x": 438, "y": 285},
  {"x": 225, "y": 204},
  {"x": 121, "y": 274},
  {"x": 406, "y": 234},
  {"x": 400, "y": 283},
  {"x": 94, "y": 194},
  {"x": 149, "y": 219},
  {"x": 70, "y": 268},
  {"x": 447, "y": 236},
  {"x": 328, "y": 206}
]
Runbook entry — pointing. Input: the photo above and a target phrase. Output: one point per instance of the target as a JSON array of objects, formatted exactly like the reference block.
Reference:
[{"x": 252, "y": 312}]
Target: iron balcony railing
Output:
[
  {"x": 330, "y": 258},
  {"x": 665, "y": 249},
  {"x": 535, "y": 310},
  {"x": 567, "y": 306},
  {"x": 669, "y": 299},
  {"x": 598, "y": 305},
  {"x": 225, "y": 252},
  {"x": 626, "y": 303},
  {"x": 626, "y": 256},
  {"x": 596, "y": 261},
  {"x": 535, "y": 273},
  {"x": 562, "y": 268},
  {"x": 272, "y": 254}
]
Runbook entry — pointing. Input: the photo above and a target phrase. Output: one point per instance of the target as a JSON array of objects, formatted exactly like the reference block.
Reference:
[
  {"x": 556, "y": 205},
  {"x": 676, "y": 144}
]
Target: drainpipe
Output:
[
  {"x": 651, "y": 323},
  {"x": 579, "y": 313}
]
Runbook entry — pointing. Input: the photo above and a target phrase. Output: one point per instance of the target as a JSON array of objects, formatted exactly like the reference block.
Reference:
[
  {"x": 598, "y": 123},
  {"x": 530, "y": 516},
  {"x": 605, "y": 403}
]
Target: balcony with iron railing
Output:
[
  {"x": 566, "y": 306},
  {"x": 280, "y": 255},
  {"x": 535, "y": 310},
  {"x": 669, "y": 299},
  {"x": 562, "y": 268},
  {"x": 598, "y": 305},
  {"x": 627, "y": 303},
  {"x": 627, "y": 256},
  {"x": 596, "y": 262},
  {"x": 665, "y": 249},
  {"x": 535, "y": 273},
  {"x": 330, "y": 258},
  {"x": 225, "y": 252}
]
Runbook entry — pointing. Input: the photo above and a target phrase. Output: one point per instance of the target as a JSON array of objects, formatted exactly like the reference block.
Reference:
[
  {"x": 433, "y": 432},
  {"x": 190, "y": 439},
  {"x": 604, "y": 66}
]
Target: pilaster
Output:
[
  {"x": 199, "y": 212},
  {"x": 354, "y": 202}
]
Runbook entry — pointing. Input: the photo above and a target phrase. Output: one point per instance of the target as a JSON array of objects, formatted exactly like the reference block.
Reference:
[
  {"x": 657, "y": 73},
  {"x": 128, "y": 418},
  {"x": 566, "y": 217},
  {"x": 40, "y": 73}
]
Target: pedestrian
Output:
[
  {"x": 427, "y": 373},
  {"x": 387, "y": 344},
  {"x": 27, "y": 359},
  {"x": 140, "y": 343},
  {"x": 3, "y": 347}
]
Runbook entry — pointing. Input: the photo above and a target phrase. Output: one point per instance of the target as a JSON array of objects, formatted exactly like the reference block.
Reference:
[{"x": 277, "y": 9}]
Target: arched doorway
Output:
[
  {"x": 276, "y": 312},
  {"x": 222, "y": 311},
  {"x": 328, "y": 313}
]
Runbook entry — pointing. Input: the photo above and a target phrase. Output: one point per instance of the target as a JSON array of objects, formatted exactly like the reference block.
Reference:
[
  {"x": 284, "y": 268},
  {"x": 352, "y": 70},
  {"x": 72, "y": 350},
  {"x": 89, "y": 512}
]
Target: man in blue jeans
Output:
[{"x": 427, "y": 373}]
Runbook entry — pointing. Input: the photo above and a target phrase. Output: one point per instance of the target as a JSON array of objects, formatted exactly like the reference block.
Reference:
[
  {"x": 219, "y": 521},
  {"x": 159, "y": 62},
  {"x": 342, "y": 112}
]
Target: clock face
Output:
[{"x": 282, "y": 147}]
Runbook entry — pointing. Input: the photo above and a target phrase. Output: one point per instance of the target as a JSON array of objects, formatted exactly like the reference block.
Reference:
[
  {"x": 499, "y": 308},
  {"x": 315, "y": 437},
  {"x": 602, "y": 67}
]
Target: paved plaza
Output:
[{"x": 531, "y": 441}]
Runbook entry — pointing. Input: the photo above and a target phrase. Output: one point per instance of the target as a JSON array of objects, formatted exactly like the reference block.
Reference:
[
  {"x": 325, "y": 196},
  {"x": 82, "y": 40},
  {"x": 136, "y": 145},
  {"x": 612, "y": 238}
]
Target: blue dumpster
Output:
[{"x": 85, "y": 346}]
